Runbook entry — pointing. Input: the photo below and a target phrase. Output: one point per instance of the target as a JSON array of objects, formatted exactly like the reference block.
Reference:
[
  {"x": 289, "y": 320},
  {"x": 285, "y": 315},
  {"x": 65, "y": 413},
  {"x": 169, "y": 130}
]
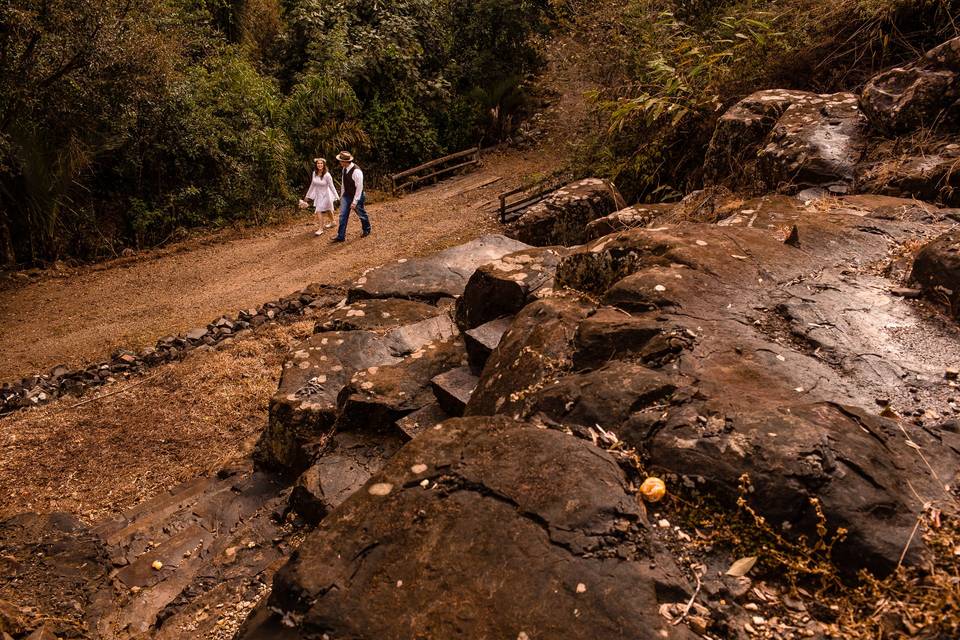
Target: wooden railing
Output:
[
  {"x": 514, "y": 203},
  {"x": 410, "y": 177}
]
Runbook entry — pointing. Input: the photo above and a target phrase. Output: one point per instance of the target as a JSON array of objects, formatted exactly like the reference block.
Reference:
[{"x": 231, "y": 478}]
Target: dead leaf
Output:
[{"x": 742, "y": 567}]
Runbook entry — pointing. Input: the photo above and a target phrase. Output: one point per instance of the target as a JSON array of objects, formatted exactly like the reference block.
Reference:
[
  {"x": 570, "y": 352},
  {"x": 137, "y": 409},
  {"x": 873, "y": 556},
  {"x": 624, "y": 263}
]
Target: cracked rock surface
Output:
[{"x": 518, "y": 531}]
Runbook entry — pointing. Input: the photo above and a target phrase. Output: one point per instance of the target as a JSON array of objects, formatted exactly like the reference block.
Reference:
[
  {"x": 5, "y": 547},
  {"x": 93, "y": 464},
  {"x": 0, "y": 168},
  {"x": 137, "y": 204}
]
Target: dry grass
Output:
[{"x": 187, "y": 419}]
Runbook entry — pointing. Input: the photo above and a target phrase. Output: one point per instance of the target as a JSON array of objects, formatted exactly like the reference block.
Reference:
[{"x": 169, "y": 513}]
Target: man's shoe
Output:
[
  {"x": 364, "y": 234},
  {"x": 338, "y": 240}
]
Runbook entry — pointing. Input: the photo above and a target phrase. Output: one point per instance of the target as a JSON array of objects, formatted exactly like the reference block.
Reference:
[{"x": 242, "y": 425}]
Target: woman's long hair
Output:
[{"x": 315, "y": 161}]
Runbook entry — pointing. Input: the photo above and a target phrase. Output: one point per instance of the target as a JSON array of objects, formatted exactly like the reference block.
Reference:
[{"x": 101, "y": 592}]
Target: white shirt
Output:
[{"x": 357, "y": 180}]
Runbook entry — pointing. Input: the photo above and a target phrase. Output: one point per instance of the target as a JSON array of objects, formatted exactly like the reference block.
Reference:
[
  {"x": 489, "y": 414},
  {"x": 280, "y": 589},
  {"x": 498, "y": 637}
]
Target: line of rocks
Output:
[{"x": 39, "y": 389}]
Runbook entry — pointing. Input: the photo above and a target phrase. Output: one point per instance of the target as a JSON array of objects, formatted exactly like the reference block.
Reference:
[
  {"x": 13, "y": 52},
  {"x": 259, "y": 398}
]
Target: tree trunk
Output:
[{"x": 7, "y": 256}]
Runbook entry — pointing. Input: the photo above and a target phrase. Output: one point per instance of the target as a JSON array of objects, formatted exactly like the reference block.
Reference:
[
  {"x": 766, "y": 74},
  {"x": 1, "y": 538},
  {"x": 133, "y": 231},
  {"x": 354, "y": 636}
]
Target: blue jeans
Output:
[{"x": 345, "y": 216}]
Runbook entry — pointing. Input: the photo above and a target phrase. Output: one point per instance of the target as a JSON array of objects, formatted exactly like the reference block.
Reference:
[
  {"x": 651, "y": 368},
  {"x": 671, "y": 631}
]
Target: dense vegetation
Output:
[
  {"x": 123, "y": 122},
  {"x": 674, "y": 66}
]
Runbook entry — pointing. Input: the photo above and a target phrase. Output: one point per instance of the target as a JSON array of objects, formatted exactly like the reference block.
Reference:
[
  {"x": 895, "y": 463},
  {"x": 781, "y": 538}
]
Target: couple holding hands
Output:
[{"x": 324, "y": 195}]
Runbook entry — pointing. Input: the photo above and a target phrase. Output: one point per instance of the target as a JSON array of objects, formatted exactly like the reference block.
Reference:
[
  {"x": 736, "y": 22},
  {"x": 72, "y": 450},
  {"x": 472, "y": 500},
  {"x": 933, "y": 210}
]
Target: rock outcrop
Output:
[
  {"x": 925, "y": 93},
  {"x": 562, "y": 217},
  {"x": 779, "y": 140},
  {"x": 482, "y": 528},
  {"x": 936, "y": 270},
  {"x": 505, "y": 286},
  {"x": 783, "y": 140},
  {"x": 442, "y": 275}
]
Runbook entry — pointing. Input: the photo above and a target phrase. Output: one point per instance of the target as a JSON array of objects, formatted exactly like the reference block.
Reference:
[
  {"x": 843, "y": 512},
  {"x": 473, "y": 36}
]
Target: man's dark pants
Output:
[{"x": 345, "y": 216}]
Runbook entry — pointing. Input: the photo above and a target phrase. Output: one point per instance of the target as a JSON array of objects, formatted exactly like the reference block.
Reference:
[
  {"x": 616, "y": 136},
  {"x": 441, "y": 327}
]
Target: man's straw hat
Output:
[{"x": 344, "y": 156}]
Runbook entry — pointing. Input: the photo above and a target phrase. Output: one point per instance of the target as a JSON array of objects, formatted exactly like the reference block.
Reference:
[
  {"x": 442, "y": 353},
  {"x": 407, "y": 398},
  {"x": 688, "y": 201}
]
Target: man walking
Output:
[{"x": 352, "y": 197}]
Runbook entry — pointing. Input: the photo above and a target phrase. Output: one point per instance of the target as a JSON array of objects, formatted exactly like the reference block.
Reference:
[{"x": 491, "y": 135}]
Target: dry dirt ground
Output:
[
  {"x": 95, "y": 457},
  {"x": 79, "y": 317}
]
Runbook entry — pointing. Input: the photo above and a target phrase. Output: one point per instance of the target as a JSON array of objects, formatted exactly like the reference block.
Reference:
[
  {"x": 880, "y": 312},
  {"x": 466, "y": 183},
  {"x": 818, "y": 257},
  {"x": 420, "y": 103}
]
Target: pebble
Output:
[
  {"x": 664, "y": 524},
  {"x": 380, "y": 489}
]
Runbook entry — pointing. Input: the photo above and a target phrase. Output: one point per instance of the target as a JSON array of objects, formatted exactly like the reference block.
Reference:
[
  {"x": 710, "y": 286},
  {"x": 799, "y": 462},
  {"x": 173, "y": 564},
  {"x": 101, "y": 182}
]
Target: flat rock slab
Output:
[
  {"x": 440, "y": 275},
  {"x": 454, "y": 388},
  {"x": 411, "y": 338},
  {"x": 482, "y": 340},
  {"x": 376, "y": 315},
  {"x": 491, "y": 548},
  {"x": 504, "y": 286},
  {"x": 562, "y": 218},
  {"x": 419, "y": 421},
  {"x": 55, "y": 563}
]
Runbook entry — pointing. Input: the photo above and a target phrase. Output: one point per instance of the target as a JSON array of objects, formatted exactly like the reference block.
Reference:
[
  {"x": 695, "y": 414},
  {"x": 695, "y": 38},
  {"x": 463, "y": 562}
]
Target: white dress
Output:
[{"x": 321, "y": 192}]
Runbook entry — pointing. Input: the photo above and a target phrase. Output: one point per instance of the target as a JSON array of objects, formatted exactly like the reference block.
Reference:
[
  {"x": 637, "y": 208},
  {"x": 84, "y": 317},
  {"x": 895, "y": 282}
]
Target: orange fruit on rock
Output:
[{"x": 653, "y": 489}]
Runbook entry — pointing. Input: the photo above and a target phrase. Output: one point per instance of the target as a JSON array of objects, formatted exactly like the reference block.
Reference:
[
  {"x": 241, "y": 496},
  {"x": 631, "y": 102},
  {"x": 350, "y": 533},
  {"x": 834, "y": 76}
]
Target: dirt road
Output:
[{"x": 83, "y": 317}]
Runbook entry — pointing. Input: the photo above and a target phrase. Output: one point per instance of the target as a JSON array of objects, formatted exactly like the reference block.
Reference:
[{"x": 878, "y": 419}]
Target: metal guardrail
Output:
[{"x": 409, "y": 178}]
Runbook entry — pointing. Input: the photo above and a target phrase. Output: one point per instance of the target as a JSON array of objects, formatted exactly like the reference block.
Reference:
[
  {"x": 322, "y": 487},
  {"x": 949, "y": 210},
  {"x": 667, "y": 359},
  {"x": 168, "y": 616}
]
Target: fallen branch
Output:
[
  {"x": 113, "y": 393},
  {"x": 686, "y": 610}
]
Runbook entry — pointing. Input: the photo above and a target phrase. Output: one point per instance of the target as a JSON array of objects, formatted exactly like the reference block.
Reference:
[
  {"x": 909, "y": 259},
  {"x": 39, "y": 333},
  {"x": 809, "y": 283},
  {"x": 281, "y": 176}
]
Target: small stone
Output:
[
  {"x": 664, "y": 524},
  {"x": 418, "y": 468},
  {"x": 581, "y": 588},
  {"x": 157, "y": 565},
  {"x": 951, "y": 374},
  {"x": 380, "y": 489}
]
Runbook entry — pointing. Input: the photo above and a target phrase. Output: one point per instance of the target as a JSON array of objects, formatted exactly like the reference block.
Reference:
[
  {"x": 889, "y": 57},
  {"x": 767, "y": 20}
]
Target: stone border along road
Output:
[{"x": 43, "y": 388}]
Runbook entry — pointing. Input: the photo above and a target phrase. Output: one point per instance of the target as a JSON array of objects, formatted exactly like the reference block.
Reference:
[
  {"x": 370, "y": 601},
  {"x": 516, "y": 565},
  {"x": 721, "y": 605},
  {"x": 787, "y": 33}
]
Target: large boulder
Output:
[
  {"x": 376, "y": 398},
  {"x": 441, "y": 275},
  {"x": 780, "y": 140},
  {"x": 562, "y": 218},
  {"x": 503, "y": 287},
  {"x": 538, "y": 345},
  {"x": 305, "y": 408},
  {"x": 484, "y": 528},
  {"x": 921, "y": 94},
  {"x": 936, "y": 269}
]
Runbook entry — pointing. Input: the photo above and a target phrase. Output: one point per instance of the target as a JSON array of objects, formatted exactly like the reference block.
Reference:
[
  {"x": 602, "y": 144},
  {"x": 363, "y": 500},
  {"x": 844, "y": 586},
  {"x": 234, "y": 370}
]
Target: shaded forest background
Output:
[{"x": 123, "y": 122}]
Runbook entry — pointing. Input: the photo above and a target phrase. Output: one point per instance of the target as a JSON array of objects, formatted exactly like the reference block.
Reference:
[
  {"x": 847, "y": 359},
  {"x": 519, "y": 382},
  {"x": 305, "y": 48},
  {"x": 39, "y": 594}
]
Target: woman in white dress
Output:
[{"x": 322, "y": 193}]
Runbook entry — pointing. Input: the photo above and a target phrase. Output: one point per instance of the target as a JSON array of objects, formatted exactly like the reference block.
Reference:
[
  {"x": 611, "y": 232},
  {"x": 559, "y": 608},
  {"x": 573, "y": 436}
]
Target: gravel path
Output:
[{"x": 83, "y": 316}]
